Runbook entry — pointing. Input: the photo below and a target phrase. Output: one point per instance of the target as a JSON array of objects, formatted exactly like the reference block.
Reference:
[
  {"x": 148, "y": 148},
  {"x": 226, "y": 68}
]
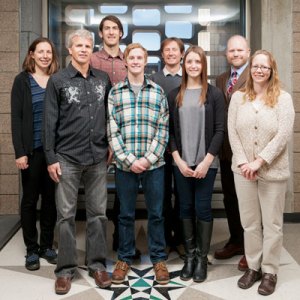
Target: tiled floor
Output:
[{"x": 17, "y": 283}]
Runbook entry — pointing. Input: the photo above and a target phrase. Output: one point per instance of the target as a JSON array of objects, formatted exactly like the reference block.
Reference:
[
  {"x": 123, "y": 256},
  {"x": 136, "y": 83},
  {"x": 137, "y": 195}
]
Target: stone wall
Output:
[
  {"x": 21, "y": 23},
  {"x": 276, "y": 36},
  {"x": 296, "y": 97},
  {"x": 9, "y": 67}
]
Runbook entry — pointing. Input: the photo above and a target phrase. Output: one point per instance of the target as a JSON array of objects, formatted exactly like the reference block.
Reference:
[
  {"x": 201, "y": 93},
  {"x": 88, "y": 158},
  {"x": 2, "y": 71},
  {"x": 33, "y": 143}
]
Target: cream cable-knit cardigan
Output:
[{"x": 262, "y": 132}]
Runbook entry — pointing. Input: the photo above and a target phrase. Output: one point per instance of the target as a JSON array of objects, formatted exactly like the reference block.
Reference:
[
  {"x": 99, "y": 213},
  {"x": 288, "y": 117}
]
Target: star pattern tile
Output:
[{"x": 142, "y": 285}]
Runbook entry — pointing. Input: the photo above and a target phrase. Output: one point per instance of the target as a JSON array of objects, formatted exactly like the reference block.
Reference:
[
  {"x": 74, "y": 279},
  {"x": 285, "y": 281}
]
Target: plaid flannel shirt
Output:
[{"x": 138, "y": 126}]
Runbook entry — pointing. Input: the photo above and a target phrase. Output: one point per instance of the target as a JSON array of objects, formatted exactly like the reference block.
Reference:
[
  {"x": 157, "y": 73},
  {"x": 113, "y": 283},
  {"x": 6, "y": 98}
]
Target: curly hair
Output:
[{"x": 273, "y": 89}]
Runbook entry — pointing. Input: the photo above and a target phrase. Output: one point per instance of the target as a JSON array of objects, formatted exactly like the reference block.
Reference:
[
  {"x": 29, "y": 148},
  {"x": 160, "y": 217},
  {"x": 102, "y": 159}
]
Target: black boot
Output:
[
  {"x": 187, "y": 226},
  {"x": 203, "y": 238}
]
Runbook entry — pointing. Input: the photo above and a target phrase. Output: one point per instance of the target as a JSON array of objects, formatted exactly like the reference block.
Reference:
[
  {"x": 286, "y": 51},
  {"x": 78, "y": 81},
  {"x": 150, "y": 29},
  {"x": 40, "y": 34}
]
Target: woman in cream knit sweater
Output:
[{"x": 260, "y": 123}]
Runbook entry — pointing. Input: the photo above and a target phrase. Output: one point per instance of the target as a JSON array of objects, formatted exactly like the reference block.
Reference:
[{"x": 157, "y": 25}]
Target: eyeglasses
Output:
[{"x": 264, "y": 69}]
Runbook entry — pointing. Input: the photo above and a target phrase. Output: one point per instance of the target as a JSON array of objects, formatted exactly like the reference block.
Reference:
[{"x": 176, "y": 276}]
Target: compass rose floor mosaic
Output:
[{"x": 17, "y": 283}]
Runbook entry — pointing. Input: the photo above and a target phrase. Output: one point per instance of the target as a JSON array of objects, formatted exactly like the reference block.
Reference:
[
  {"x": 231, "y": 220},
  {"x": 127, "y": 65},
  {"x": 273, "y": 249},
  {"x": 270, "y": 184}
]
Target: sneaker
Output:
[
  {"x": 50, "y": 255},
  {"x": 32, "y": 261},
  {"x": 161, "y": 272},
  {"x": 120, "y": 272}
]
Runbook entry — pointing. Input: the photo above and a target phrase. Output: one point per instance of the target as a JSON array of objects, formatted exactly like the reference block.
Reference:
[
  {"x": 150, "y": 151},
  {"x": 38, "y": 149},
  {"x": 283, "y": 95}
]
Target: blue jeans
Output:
[
  {"x": 94, "y": 181},
  {"x": 195, "y": 195},
  {"x": 127, "y": 184}
]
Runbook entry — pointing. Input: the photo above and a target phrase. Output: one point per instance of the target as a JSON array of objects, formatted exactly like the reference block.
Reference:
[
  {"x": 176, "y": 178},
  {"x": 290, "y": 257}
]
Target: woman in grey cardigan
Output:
[
  {"x": 260, "y": 123},
  {"x": 196, "y": 135}
]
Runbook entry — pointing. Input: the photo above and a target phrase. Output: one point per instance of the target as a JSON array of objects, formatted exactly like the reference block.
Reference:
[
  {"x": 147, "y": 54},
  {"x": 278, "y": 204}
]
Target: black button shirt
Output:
[{"x": 75, "y": 116}]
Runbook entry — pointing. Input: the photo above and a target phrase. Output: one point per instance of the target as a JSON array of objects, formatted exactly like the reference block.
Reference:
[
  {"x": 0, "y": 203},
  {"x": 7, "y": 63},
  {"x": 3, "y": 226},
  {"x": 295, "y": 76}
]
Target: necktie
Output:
[{"x": 232, "y": 81}]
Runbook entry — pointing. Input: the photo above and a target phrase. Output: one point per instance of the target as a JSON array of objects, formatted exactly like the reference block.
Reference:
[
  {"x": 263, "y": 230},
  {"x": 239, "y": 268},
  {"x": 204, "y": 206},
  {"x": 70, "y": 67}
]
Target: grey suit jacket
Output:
[{"x": 221, "y": 83}]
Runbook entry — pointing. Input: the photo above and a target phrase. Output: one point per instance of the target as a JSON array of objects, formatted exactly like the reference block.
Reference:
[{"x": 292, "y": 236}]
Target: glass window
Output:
[
  {"x": 178, "y": 9},
  {"x": 153, "y": 65},
  {"x": 180, "y": 29},
  {"x": 113, "y": 9},
  {"x": 208, "y": 23},
  {"x": 145, "y": 17},
  {"x": 149, "y": 40},
  {"x": 77, "y": 16}
]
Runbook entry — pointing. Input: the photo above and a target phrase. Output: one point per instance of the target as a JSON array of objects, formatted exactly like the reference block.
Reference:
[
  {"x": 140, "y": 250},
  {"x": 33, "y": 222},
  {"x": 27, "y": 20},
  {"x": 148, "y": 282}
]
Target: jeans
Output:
[
  {"x": 36, "y": 181},
  {"x": 127, "y": 184},
  {"x": 195, "y": 195},
  {"x": 93, "y": 178}
]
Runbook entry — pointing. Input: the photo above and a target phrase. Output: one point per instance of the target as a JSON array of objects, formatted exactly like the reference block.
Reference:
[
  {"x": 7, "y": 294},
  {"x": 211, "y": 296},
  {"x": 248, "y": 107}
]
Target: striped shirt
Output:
[
  {"x": 113, "y": 66},
  {"x": 38, "y": 94},
  {"x": 138, "y": 125}
]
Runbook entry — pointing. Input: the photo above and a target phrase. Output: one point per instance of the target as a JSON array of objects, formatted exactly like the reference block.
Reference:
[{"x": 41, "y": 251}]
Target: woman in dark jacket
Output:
[
  {"x": 27, "y": 98},
  {"x": 196, "y": 135}
]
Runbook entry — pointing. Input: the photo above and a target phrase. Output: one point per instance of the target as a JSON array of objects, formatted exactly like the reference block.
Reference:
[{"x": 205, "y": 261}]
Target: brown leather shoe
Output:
[
  {"x": 229, "y": 251},
  {"x": 120, "y": 272},
  {"x": 243, "y": 265},
  {"x": 268, "y": 284},
  {"x": 62, "y": 285},
  {"x": 102, "y": 278},
  {"x": 161, "y": 272},
  {"x": 249, "y": 278}
]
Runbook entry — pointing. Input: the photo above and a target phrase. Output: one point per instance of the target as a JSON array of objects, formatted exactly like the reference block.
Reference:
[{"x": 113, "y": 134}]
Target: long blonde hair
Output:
[
  {"x": 203, "y": 77},
  {"x": 273, "y": 89}
]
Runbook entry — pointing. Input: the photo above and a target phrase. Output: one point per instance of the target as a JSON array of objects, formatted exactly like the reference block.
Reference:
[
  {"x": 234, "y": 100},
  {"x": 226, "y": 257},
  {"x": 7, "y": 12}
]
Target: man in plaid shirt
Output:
[{"x": 138, "y": 135}]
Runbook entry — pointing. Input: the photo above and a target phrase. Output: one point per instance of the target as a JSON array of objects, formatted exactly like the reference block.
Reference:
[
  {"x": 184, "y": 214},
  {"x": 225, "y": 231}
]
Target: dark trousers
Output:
[
  {"x": 231, "y": 204},
  {"x": 116, "y": 212},
  {"x": 115, "y": 217},
  {"x": 195, "y": 195},
  {"x": 171, "y": 212},
  {"x": 35, "y": 182}
]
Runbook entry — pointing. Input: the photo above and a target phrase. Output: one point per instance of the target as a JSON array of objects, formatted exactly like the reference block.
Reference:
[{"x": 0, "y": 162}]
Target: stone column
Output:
[
  {"x": 9, "y": 67},
  {"x": 277, "y": 37}
]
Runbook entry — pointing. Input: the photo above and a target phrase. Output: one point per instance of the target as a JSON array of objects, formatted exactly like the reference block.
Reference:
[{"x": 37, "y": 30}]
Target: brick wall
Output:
[{"x": 9, "y": 67}]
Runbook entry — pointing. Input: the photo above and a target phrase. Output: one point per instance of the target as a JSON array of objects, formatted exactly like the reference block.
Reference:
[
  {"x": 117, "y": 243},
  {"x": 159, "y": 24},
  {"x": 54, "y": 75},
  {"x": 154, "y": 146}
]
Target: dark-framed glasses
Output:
[{"x": 264, "y": 69}]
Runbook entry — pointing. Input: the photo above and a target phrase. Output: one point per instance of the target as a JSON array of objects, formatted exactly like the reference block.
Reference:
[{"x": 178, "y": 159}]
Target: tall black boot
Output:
[
  {"x": 203, "y": 238},
  {"x": 188, "y": 229}
]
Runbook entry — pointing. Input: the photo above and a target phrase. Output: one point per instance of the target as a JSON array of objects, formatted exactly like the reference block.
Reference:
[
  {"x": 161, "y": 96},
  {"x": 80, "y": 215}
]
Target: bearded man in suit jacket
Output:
[{"x": 237, "y": 54}]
